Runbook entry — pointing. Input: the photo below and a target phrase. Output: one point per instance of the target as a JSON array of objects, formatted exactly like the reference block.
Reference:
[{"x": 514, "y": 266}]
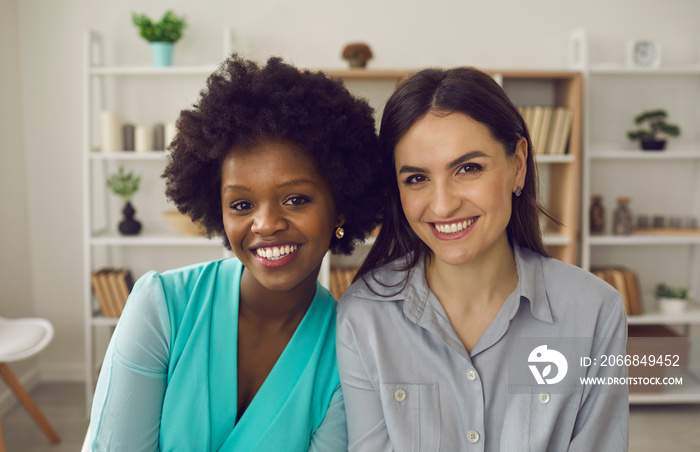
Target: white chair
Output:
[{"x": 21, "y": 339}]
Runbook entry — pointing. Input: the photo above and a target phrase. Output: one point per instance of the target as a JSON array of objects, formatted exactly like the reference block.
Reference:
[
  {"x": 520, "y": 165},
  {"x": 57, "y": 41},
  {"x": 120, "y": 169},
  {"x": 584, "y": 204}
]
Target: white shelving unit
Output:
[
  {"x": 663, "y": 182},
  {"x": 105, "y": 86}
]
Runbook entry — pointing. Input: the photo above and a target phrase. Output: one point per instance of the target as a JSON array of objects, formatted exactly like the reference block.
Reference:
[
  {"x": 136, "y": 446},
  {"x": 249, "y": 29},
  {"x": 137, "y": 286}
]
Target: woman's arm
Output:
[
  {"x": 602, "y": 422},
  {"x": 332, "y": 434},
  {"x": 365, "y": 417},
  {"x": 126, "y": 409}
]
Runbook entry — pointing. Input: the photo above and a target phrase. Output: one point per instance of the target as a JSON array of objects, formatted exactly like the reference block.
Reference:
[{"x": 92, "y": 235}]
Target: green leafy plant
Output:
[
  {"x": 657, "y": 127},
  {"x": 124, "y": 184},
  {"x": 665, "y": 291},
  {"x": 169, "y": 29}
]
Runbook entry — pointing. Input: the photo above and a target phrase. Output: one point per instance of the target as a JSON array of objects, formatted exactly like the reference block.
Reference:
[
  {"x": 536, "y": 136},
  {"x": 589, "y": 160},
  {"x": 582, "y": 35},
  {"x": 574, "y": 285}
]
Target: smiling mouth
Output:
[
  {"x": 276, "y": 252},
  {"x": 453, "y": 228}
]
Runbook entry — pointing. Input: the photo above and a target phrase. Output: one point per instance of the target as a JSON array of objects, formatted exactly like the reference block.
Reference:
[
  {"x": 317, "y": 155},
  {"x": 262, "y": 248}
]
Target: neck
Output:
[
  {"x": 478, "y": 283},
  {"x": 275, "y": 309}
]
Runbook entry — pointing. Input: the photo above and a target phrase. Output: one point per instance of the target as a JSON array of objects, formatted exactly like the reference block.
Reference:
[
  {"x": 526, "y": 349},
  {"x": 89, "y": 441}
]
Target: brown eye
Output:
[
  {"x": 415, "y": 179},
  {"x": 241, "y": 206},
  {"x": 296, "y": 201},
  {"x": 470, "y": 168}
]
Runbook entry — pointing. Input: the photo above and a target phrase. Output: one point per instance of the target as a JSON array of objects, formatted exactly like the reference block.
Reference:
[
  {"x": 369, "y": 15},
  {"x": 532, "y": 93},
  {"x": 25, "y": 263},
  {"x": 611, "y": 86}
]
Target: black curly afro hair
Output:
[{"x": 243, "y": 103}]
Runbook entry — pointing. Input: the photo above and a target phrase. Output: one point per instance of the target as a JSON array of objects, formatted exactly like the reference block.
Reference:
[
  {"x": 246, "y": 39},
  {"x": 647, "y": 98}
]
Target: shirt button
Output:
[
  {"x": 400, "y": 395},
  {"x": 471, "y": 375},
  {"x": 544, "y": 398},
  {"x": 473, "y": 436}
]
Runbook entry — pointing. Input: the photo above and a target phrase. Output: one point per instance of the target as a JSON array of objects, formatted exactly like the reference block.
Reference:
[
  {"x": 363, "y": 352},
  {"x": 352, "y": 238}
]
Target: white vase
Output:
[{"x": 672, "y": 306}]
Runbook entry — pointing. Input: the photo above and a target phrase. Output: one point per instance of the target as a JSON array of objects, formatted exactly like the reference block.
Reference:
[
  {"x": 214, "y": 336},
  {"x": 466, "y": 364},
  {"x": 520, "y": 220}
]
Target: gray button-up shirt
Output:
[{"x": 410, "y": 385}]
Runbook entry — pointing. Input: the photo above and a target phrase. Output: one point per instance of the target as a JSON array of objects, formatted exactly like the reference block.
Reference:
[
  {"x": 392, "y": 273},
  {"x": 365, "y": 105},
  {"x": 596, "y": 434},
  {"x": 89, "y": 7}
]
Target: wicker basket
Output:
[{"x": 183, "y": 224}]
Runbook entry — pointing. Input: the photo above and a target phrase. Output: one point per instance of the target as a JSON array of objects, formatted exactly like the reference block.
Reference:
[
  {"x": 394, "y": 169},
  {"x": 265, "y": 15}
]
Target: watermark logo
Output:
[{"x": 542, "y": 355}]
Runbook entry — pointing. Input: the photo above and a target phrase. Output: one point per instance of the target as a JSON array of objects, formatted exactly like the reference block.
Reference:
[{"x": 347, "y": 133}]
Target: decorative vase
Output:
[
  {"x": 162, "y": 53},
  {"x": 672, "y": 306},
  {"x": 128, "y": 225},
  {"x": 653, "y": 145},
  {"x": 357, "y": 62}
]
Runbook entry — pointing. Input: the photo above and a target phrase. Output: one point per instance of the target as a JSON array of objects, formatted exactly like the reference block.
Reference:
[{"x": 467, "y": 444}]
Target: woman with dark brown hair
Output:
[{"x": 440, "y": 337}]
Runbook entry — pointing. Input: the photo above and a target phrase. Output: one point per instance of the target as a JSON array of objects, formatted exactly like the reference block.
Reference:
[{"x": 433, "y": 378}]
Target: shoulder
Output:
[
  {"x": 191, "y": 274},
  {"x": 580, "y": 296},
  {"x": 380, "y": 290},
  {"x": 562, "y": 278}
]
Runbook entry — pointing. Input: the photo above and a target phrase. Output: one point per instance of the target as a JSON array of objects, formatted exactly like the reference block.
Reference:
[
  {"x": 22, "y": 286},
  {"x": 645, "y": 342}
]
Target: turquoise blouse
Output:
[{"x": 168, "y": 381}]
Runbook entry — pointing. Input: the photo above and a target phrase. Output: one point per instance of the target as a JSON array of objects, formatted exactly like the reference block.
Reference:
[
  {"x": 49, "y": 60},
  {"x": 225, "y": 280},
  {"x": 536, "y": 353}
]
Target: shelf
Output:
[
  {"x": 152, "y": 70},
  {"x": 691, "y": 316},
  {"x": 644, "y": 155},
  {"x": 154, "y": 239},
  {"x": 644, "y": 239},
  {"x": 613, "y": 69},
  {"x": 128, "y": 155},
  {"x": 368, "y": 74},
  {"x": 549, "y": 158},
  {"x": 99, "y": 320},
  {"x": 555, "y": 239},
  {"x": 689, "y": 392}
]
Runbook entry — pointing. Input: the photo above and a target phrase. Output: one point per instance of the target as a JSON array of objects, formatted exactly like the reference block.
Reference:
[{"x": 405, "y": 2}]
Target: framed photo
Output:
[{"x": 644, "y": 54}]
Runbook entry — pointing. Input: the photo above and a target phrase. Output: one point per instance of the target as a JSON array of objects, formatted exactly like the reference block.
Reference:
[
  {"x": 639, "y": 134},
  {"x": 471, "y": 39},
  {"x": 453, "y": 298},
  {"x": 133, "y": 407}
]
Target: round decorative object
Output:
[
  {"x": 653, "y": 145},
  {"x": 184, "y": 223},
  {"x": 129, "y": 226},
  {"x": 672, "y": 306},
  {"x": 644, "y": 54}
]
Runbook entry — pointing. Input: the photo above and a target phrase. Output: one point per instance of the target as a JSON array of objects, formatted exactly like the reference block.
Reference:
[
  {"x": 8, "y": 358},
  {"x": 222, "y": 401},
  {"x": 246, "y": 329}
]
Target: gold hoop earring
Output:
[
  {"x": 518, "y": 191},
  {"x": 340, "y": 233}
]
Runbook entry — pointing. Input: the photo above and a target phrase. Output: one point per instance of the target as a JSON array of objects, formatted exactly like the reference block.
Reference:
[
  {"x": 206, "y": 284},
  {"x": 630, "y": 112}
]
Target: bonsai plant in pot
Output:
[
  {"x": 357, "y": 54},
  {"x": 125, "y": 185},
  {"x": 162, "y": 35},
  {"x": 652, "y": 138},
  {"x": 672, "y": 299}
]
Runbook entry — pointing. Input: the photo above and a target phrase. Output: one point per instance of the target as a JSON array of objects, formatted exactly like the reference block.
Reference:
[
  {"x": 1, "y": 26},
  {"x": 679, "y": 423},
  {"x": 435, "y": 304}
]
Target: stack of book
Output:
[
  {"x": 341, "y": 278},
  {"x": 549, "y": 127},
  {"x": 112, "y": 287},
  {"x": 626, "y": 282}
]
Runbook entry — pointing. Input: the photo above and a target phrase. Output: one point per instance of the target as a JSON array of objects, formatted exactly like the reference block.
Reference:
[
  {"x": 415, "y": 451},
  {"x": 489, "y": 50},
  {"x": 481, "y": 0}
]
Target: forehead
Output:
[
  {"x": 441, "y": 137},
  {"x": 269, "y": 159}
]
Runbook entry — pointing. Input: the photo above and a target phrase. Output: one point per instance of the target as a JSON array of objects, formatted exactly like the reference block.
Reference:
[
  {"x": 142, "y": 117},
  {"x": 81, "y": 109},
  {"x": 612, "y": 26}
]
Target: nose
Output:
[
  {"x": 445, "y": 201},
  {"x": 268, "y": 220}
]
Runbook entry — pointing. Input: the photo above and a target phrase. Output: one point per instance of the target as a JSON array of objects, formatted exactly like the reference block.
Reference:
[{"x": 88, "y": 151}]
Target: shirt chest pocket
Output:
[
  {"x": 539, "y": 420},
  {"x": 412, "y": 416}
]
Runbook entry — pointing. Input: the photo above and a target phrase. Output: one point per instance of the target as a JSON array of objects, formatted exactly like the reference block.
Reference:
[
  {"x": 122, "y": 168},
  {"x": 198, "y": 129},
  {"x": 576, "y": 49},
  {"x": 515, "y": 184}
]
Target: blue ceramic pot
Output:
[{"x": 162, "y": 53}]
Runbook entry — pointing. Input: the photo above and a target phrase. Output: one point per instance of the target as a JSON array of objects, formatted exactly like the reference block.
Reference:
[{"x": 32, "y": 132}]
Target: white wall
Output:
[
  {"x": 15, "y": 270},
  {"x": 311, "y": 33}
]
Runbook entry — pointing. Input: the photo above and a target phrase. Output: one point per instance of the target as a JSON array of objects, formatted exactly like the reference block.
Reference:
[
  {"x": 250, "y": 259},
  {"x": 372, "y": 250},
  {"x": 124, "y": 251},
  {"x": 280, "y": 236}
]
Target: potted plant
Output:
[
  {"x": 357, "y": 54},
  {"x": 652, "y": 138},
  {"x": 125, "y": 185},
  {"x": 672, "y": 299},
  {"x": 162, "y": 35}
]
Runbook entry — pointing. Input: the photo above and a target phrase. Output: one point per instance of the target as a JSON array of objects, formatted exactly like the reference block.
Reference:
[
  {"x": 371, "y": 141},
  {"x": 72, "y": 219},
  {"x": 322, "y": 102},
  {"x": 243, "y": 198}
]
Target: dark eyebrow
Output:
[
  {"x": 461, "y": 159},
  {"x": 291, "y": 183},
  {"x": 235, "y": 188},
  {"x": 295, "y": 182},
  {"x": 464, "y": 158}
]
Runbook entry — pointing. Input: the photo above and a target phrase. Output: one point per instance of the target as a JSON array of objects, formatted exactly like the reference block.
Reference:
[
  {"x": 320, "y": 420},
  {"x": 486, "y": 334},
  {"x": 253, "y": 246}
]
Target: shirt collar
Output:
[
  {"x": 387, "y": 284},
  {"x": 531, "y": 283}
]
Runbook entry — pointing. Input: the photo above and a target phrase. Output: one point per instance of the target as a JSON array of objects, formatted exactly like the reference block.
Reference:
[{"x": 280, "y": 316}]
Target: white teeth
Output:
[
  {"x": 275, "y": 253},
  {"x": 454, "y": 227}
]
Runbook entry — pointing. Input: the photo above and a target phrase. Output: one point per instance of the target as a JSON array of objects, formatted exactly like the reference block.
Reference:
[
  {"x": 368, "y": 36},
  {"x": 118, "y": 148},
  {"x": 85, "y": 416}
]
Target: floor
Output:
[{"x": 652, "y": 428}]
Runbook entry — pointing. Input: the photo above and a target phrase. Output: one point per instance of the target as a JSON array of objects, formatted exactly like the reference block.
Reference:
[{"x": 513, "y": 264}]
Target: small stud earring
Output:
[
  {"x": 340, "y": 232},
  {"x": 518, "y": 191}
]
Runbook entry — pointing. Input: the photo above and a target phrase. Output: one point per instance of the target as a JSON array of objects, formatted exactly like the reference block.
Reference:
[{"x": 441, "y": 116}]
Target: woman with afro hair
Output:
[{"x": 239, "y": 354}]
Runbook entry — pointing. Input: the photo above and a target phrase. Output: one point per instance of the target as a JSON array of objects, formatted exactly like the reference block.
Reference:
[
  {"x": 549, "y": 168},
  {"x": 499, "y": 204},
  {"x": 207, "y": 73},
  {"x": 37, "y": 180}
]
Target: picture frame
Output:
[{"x": 643, "y": 54}]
